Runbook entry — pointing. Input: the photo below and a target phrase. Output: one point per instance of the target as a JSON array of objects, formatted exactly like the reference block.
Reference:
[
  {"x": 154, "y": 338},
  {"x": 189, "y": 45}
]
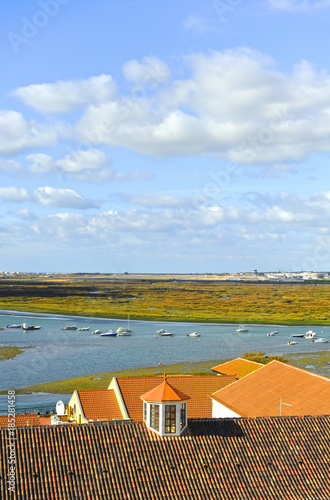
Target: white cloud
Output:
[
  {"x": 236, "y": 104},
  {"x": 149, "y": 73},
  {"x": 85, "y": 165},
  {"x": 265, "y": 215},
  {"x": 199, "y": 24},
  {"x": 60, "y": 198},
  {"x": 66, "y": 96},
  {"x": 157, "y": 201},
  {"x": 14, "y": 194},
  {"x": 91, "y": 165},
  {"x": 191, "y": 234},
  {"x": 11, "y": 167},
  {"x": 305, "y": 6},
  {"x": 16, "y": 134},
  {"x": 24, "y": 213},
  {"x": 46, "y": 196}
]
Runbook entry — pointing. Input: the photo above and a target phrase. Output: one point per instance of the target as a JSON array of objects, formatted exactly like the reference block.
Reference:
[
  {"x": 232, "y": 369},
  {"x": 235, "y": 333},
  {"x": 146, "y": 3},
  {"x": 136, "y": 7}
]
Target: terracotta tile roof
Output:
[
  {"x": 24, "y": 419},
  {"x": 199, "y": 388},
  {"x": 165, "y": 392},
  {"x": 100, "y": 404},
  {"x": 239, "y": 367},
  {"x": 261, "y": 392},
  {"x": 230, "y": 459}
]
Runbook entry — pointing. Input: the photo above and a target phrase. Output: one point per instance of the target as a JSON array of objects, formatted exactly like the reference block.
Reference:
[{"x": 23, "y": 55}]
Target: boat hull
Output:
[
  {"x": 108, "y": 334},
  {"x": 25, "y": 326}
]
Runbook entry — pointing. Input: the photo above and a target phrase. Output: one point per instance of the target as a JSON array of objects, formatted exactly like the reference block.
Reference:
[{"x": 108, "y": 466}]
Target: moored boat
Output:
[
  {"x": 242, "y": 330},
  {"x": 321, "y": 340},
  {"x": 194, "y": 334},
  {"x": 297, "y": 335},
  {"x": 292, "y": 343},
  {"x": 310, "y": 334},
  {"x": 14, "y": 325},
  {"x": 26, "y": 326},
  {"x": 96, "y": 332},
  {"x": 124, "y": 332},
  {"x": 110, "y": 333},
  {"x": 70, "y": 327},
  {"x": 166, "y": 334},
  {"x": 83, "y": 329}
]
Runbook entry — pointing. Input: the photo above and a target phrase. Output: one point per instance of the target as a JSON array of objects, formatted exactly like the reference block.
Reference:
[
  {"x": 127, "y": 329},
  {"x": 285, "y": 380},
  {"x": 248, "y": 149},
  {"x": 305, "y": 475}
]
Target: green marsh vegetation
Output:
[
  {"x": 9, "y": 351},
  {"x": 172, "y": 300}
]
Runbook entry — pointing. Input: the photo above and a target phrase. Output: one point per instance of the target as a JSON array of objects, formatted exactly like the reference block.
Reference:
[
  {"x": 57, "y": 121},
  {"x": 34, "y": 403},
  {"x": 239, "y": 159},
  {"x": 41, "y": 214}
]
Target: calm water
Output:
[{"x": 57, "y": 354}]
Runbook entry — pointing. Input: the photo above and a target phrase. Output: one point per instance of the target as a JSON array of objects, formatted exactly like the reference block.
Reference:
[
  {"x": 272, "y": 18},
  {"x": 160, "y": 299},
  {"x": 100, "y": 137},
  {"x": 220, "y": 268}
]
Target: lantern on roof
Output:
[{"x": 165, "y": 409}]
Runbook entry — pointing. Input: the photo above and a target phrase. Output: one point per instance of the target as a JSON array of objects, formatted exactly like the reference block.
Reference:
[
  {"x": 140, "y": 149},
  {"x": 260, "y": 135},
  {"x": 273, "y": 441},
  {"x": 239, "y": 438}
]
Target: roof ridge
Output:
[{"x": 300, "y": 369}]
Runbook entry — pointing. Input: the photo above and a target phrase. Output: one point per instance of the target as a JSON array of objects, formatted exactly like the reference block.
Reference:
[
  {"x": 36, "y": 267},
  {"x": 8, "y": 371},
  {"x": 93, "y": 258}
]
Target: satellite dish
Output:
[{"x": 60, "y": 409}]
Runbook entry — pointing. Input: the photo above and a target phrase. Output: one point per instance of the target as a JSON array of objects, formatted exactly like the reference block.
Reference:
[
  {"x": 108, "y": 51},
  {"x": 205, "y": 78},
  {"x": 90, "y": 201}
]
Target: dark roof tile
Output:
[{"x": 261, "y": 459}]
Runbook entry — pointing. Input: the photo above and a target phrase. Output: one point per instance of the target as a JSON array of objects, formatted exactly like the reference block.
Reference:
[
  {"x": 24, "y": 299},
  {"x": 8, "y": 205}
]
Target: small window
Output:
[
  {"x": 144, "y": 411},
  {"x": 170, "y": 419},
  {"x": 183, "y": 415},
  {"x": 154, "y": 417}
]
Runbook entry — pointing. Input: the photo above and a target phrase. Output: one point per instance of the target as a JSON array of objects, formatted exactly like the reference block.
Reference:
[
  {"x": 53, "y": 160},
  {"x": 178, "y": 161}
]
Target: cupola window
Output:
[
  {"x": 170, "y": 419},
  {"x": 154, "y": 417},
  {"x": 183, "y": 416}
]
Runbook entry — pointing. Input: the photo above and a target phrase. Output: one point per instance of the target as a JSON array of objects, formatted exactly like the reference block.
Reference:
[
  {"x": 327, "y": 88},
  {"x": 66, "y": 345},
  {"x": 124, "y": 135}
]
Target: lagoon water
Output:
[{"x": 57, "y": 354}]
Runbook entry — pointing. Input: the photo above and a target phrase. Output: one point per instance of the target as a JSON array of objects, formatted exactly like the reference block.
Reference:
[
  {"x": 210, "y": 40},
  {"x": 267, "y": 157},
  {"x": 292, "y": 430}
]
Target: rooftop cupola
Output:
[{"x": 165, "y": 409}]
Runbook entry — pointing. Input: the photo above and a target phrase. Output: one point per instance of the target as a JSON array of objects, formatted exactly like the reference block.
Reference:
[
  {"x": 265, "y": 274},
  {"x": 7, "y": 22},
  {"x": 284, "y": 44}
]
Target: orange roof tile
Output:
[
  {"x": 199, "y": 388},
  {"x": 239, "y": 367},
  {"x": 24, "y": 419},
  {"x": 100, "y": 404},
  {"x": 259, "y": 459},
  {"x": 165, "y": 392},
  {"x": 277, "y": 388}
]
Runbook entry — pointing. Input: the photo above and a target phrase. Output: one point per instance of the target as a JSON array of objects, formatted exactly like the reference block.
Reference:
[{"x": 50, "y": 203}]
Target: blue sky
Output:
[{"x": 148, "y": 136}]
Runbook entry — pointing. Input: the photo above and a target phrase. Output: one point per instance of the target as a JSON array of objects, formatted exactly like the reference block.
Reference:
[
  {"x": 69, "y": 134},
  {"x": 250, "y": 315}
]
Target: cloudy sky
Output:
[{"x": 148, "y": 136}]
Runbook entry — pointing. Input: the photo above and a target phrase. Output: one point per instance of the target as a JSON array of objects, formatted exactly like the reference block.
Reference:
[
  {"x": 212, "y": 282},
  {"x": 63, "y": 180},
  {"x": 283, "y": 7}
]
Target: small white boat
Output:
[
  {"x": 96, "y": 332},
  {"x": 83, "y": 329},
  {"x": 110, "y": 333},
  {"x": 159, "y": 332},
  {"x": 124, "y": 332},
  {"x": 310, "y": 334},
  {"x": 166, "y": 334},
  {"x": 70, "y": 327},
  {"x": 14, "y": 325},
  {"x": 242, "y": 330},
  {"x": 292, "y": 343},
  {"x": 194, "y": 334},
  {"x": 321, "y": 340},
  {"x": 272, "y": 334},
  {"x": 26, "y": 326}
]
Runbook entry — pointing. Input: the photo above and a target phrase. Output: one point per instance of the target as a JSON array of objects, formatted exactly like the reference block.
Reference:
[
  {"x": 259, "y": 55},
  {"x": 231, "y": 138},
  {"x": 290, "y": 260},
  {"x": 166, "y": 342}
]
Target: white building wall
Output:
[{"x": 221, "y": 411}]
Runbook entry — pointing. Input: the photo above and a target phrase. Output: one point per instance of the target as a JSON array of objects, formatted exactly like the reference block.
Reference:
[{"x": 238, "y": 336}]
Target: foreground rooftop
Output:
[{"x": 226, "y": 459}]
